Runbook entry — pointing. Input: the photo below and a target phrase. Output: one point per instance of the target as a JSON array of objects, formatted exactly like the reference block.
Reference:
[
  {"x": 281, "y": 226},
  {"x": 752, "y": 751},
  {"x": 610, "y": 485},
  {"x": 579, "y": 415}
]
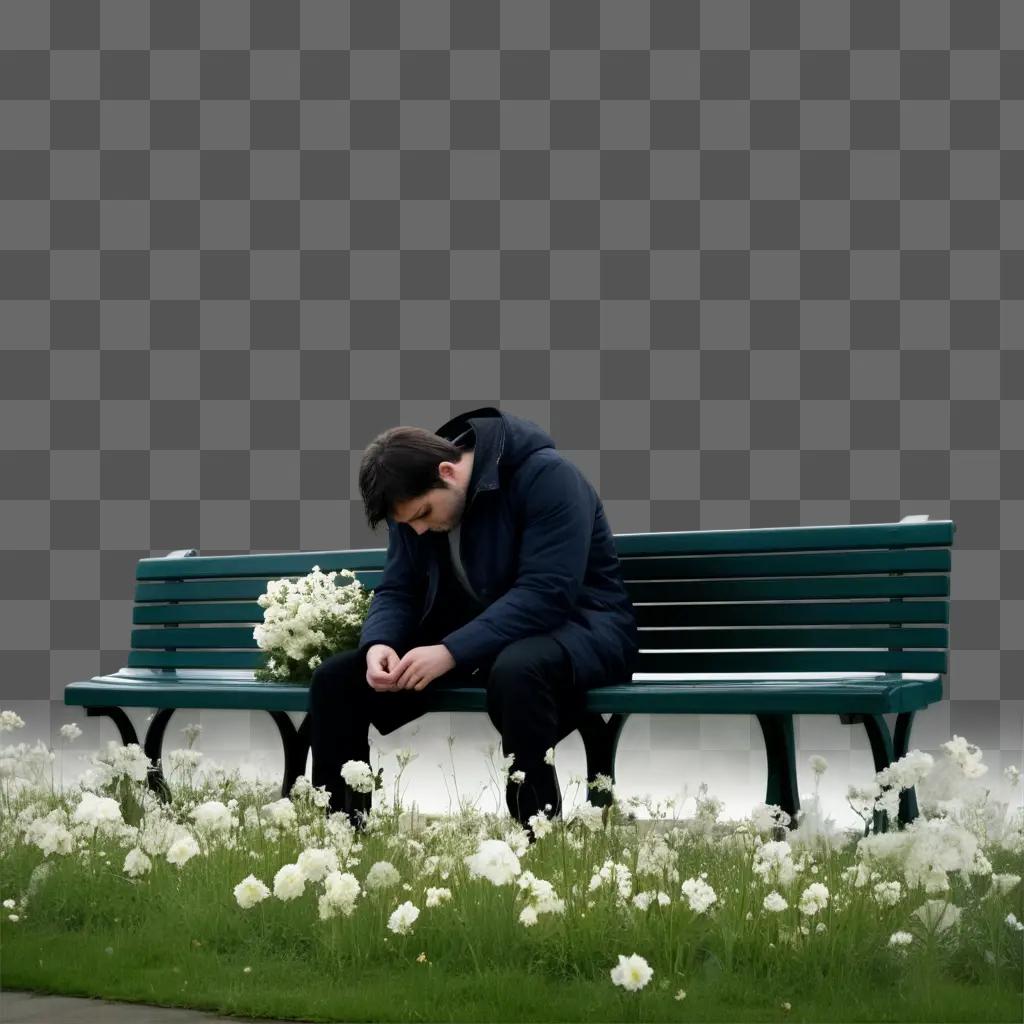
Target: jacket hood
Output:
[{"x": 499, "y": 439}]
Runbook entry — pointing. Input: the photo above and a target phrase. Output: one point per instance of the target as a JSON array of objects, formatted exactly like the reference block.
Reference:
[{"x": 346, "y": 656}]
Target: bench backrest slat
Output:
[{"x": 709, "y": 601}]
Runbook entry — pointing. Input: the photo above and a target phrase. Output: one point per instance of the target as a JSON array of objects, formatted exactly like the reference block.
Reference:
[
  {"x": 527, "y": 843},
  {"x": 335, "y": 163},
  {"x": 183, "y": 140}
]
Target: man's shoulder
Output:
[
  {"x": 546, "y": 468},
  {"x": 532, "y": 465}
]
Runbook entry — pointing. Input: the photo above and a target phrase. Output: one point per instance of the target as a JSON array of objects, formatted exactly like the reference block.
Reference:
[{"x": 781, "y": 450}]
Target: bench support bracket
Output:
[
  {"x": 601, "y": 739},
  {"x": 294, "y": 740},
  {"x": 155, "y": 777}
]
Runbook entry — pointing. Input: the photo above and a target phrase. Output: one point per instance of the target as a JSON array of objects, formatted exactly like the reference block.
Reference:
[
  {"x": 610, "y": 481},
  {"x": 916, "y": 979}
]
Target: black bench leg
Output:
[
  {"x": 120, "y": 720},
  {"x": 154, "y": 751},
  {"x": 600, "y": 740},
  {"x": 296, "y": 747},
  {"x": 127, "y": 732},
  {"x": 882, "y": 751},
  {"x": 901, "y": 740},
  {"x": 780, "y": 746}
]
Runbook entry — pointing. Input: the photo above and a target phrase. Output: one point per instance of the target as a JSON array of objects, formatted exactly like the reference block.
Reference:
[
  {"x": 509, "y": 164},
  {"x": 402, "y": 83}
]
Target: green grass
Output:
[
  {"x": 176, "y": 936},
  {"x": 75, "y": 963}
]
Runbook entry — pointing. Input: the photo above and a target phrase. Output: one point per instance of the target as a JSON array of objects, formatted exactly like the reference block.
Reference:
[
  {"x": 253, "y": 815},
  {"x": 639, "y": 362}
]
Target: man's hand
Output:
[
  {"x": 381, "y": 662},
  {"x": 421, "y": 665}
]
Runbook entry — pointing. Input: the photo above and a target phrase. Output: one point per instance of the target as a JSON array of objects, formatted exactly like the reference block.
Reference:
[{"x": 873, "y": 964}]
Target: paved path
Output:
[{"x": 33, "y": 1008}]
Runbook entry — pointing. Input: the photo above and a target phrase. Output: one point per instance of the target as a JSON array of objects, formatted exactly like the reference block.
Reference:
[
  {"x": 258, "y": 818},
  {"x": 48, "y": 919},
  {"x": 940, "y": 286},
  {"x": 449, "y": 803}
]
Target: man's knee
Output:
[
  {"x": 526, "y": 652},
  {"x": 334, "y": 677},
  {"x": 518, "y": 672}
]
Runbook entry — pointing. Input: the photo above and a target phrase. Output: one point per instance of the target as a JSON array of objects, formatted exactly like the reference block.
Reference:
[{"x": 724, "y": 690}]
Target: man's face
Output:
[{"x": 439, "y": 509}]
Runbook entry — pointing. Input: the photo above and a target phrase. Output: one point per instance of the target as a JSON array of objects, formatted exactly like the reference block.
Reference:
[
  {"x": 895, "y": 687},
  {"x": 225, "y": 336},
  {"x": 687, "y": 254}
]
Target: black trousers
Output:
[{"x": 531, "y": 700}]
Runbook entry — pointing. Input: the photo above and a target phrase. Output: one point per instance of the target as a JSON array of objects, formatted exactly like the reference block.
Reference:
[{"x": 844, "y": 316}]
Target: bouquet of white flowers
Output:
[{"x": 306, "y": 621}]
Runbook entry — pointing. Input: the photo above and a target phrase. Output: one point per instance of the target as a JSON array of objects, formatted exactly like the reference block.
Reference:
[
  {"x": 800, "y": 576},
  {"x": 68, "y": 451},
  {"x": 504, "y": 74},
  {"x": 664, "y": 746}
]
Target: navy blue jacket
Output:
[{"x": 536, "y": 547}]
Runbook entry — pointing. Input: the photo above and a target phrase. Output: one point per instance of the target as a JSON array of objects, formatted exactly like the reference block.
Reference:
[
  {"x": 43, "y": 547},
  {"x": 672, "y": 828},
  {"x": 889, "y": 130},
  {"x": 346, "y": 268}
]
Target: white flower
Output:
[
  {"x": 938, "y": 914},
  {"x": 775, "y": 903},
  {"x": 182, "y": 760},
  {"x": 656, "y": 857},
  {"x": 280, "y": 813},
  {"x": 358, "y": 775},
  {"x": 699, "y": 894},
  {"x": 813, "y": 899},
  {"x": 10, "y": 904},
  {"x": 642, "y": 900},
  {"x": 906, "y": 772},
  {"x": 519, "y": 776},
  {"x": 316, "y": 863},
  {"x": 289, "y": 882},
  {"x": 182, "y": 849},
  {"x": 250, "y": 891},
  {"x": 383, "y": 875},
  {"x": 405, "y": 756},
  {"x": 631, "y": 972},
  {"x": 818, "y": 764},
  {"x": 403, "y": 917},
  {"x": 540, "y": 824},
  {"x": 70, "y": 731},
  {"x": 966, "y": 755},
  {"x": 101, "y": 813},
  {"x": 590, "y": 814},
  {"x": 128, "y": 759},
  {"x": 774, "y": 863},
  {"x": 436, "y": 896},
  {"x": 136, "y": 863},
  {"x": 10, "y": 720},
  {"x": 767, "y": 817},
  {"x": 887, "y": 894},
  {"x": 191, "y": 731},
  {"x": 617, "y": 875},
  {"x": 50, "y": 835},
  {"x": 494, "y": 860},
  {"x": 212, "y": 816},
  {"x": 680, "y": 995},
  {"x": 1004, "y": 883},
  {"x": 542, "y": 893},
  {"x": 1012, "y": 773},
  {"x": 1012, "y": 922},
  {"x": 900, "y": 939},
  {"x": 527, "y": 917},
  {"x": 549, "y": 755},
  {"x": 341, "y": 890}
]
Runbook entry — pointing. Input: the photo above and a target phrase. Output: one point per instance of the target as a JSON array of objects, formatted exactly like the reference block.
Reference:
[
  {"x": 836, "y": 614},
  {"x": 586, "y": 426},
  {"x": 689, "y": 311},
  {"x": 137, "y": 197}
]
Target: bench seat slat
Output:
[
  {"x": 811, "y": 613},
  {"x": 786, "y": 563},
  {"x": 936, "y": 533},
  {"x": 269, "y": 566},
  {"x": 227, "y": 637},
  {"x": 646, "y": 570},
  {"x": 641, "y": 588},
  {"x": 663, "y": 696},
  {"x": 838, "y": 613},
  {"x": 825, "y": 588}
]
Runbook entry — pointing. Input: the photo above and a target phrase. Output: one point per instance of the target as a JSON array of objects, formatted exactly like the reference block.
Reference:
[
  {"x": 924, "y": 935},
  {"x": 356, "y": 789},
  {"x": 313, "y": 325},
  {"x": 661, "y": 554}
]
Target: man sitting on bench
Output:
[{"x": 501, "y": 573}]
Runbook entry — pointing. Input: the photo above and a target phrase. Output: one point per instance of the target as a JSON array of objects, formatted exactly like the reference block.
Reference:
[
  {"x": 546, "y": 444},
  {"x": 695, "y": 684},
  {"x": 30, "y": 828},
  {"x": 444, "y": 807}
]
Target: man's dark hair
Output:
[{"x": 399, "y": 465}]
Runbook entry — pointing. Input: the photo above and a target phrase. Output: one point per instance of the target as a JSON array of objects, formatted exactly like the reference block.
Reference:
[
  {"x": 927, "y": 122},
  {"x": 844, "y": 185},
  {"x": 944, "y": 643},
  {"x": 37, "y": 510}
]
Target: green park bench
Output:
[{"x": 849, "y": 620}]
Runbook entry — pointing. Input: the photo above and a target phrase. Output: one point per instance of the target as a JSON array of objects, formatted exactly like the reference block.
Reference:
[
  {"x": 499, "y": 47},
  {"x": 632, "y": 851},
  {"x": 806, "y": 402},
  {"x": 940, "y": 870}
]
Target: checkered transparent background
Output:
[{"x": 751, "y": 263}]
